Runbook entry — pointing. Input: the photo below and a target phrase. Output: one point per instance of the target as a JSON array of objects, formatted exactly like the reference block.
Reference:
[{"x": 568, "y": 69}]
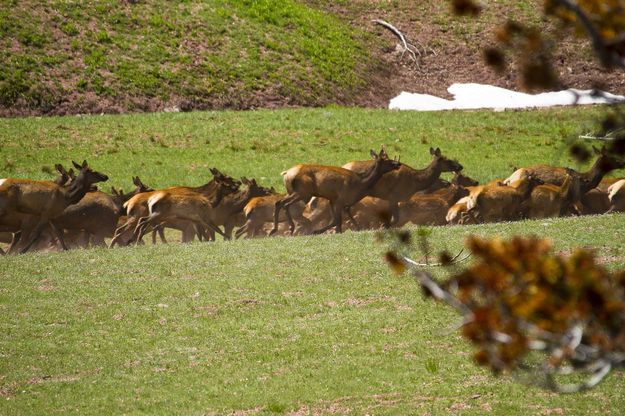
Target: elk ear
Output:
[
  {"x": 437, "y": 152},
  {"x": 383, "y": 154},
  {"x": 245, "y": 180},
  {"x": 76, "y": 165},
  {"x": 136, "y": 181},
  {"x": 373, "y": 154},
  {"x": 85, "y": 165}
]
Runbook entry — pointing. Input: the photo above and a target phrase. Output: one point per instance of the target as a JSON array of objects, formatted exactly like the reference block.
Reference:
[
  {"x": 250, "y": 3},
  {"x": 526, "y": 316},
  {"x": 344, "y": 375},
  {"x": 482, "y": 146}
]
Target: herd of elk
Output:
[{"x": 376, "y": 193}]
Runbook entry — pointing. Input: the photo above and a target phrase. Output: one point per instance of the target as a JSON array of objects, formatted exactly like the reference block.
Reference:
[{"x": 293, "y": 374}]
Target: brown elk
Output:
[
  {"x": 342, "y": 187},
  {"x": 97, "y": 213},
  {"x": 185, "y": 204},
  {"x": 44, "y": 200},
  {"x": 422, "y": 208},
  {"x": 500, "y": 202},
  {"x": 137, "y": 207},
  {"x": 15, "y": 222},
  {"x": 549, "y": 200},
  {"x": 226, "y": 213},
  {"x": 400, "y": 184},
  {"x": 588, "y": 180},
  {"x": 259, "y": 211}
]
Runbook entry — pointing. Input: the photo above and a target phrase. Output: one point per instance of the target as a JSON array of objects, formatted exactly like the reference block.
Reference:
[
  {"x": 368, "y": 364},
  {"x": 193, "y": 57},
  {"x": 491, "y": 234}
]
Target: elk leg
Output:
[
  {"x": 228, "y": 227},
  {"x": 289, "y": 219},
  {"x": 394, "y": 211},
  {"x": 337, "y": 223},
  {"x": 59, "y": 235},
  {"x": 142, "y": 226},
  {"x": 351, "y": 217},
  {"x": 15, "y": 239},
  {"x": 211, "y": 226},
  {"x": 160, "y": 229},
  {"x": 35, "y": 234},
  {"x": 284, "y": 202},
  {"x": 241, "y": 230},
  {"x": 120, "y": 230}
]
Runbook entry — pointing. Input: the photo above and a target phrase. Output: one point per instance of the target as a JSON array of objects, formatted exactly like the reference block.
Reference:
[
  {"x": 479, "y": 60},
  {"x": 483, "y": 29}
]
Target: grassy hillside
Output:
[
  {"x": 113, "y": 55},
  {"x": 306, "y": 325}
]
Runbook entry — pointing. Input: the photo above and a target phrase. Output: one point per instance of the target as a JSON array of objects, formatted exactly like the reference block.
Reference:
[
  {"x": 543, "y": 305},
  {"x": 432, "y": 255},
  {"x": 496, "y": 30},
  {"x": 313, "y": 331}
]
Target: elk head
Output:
[
  {"x": 446, "y": 165},
  {"x": 85, "y": 180}
]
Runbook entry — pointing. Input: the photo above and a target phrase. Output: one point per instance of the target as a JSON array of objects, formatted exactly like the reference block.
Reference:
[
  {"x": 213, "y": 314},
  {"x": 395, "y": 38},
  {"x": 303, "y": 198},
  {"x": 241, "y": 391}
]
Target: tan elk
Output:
[
  {"x": 259, "y": 212},
  {"x": 342, "y": 187},
  {"x": 44, "y": 200},
  {"x": 187, "y": 205},
  {"x": 500, "y": 202},
  {"x": 137, "y": 208},
  {"x": 400, "y": 184},
  {"x": 616, "y": 195},
  {"x": 549, "y": 200},
  {"x": 430, "y": 209}
]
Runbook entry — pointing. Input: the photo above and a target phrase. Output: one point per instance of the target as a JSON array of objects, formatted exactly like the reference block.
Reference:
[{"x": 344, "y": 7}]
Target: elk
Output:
[
  {"x": 500, "y": 202},
  {"x": 588, "y": 180},
  {"x": 137, "y": 207},
  {"x": 458, "y": 179},
  {"x": 616, "y": 194},
  {"x": 259, "y": 211},
  {"x": 226, "y": 213},
  {"x": 97, "y": 213},
  {"x": 44, "y": 200},
  {"x": 430, "y": 209},
  {"x": 549, "y": 200},
  {"x": 342, "y": 187},
  {"x": 421, "y": 208},
  {"x": 185, "y": 204},
  {"x": 12, "y": 224},
  {"x": 400, "y": 184}
]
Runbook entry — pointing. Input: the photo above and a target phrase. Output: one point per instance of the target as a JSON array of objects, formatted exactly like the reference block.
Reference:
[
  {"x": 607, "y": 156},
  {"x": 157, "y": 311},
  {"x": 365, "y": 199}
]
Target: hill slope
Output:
[{"x": 119, "y": 56}]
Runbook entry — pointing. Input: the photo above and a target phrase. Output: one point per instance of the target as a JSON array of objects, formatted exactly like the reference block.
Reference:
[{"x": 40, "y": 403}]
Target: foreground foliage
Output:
[{"x": 519, "y": 297}]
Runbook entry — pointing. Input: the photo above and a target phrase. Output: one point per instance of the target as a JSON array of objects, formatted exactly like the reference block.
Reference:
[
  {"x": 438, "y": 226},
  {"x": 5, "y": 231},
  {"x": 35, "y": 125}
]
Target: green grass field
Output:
[{"x": 305, "y": 325}]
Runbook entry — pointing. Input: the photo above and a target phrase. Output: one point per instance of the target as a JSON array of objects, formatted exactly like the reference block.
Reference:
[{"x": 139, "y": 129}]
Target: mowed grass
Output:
[{"x": 306, "y": 325}]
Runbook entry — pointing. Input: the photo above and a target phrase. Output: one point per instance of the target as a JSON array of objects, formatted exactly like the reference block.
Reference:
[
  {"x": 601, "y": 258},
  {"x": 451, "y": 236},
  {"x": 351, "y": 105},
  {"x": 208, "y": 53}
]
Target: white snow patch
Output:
[{"x": 472, "y": 96}]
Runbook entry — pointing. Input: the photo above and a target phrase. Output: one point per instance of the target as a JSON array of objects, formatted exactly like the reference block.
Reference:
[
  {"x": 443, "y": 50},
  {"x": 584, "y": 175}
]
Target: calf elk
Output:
[
  {"x": 549, "y": 200},
  {"x": 500, "y": 202}
]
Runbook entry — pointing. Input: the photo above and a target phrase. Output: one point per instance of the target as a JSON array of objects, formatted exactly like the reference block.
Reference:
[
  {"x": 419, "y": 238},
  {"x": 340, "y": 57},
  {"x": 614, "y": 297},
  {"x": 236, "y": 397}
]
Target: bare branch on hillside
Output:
[
  {"x": 415, "y": 52},
  {"x": 455, "y": 259}
]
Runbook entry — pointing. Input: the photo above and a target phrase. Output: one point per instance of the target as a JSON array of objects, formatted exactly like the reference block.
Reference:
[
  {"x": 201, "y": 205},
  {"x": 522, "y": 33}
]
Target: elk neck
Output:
[
  {"x": 427, "y": 176},
  {"x": 598, "y": 170},
  {"x": 77, "y": 189}
]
